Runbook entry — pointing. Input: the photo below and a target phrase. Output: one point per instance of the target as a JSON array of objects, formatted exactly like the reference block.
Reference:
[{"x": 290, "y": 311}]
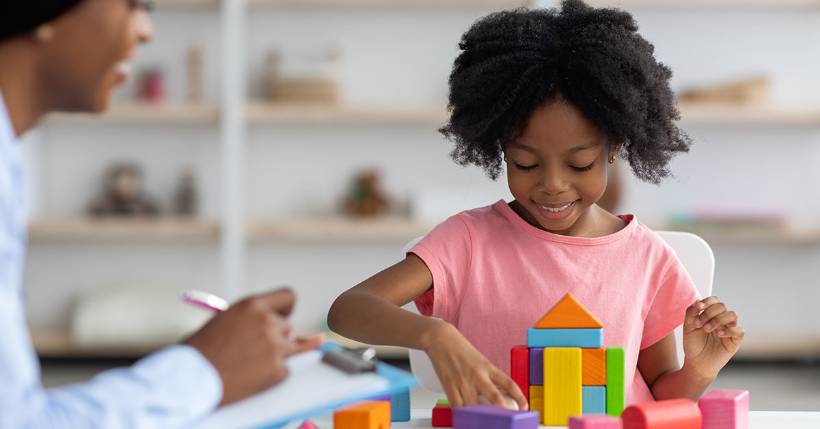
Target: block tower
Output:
[{"x": 564, "y": 369}]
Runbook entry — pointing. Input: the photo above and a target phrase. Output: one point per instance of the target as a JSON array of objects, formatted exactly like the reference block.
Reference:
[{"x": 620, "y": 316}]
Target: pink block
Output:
[
  {"x": 307, "y": 424},
  {"x": 725, "y": 409},
  {"x": 594, "y": 422}
]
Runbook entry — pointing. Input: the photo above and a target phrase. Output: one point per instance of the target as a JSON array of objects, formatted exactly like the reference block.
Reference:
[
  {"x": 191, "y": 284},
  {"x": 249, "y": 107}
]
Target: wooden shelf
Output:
[
  {"x": 716, "y": 114},
  {"x": 779, "y": 348},
  {"x": 137, "y": 113},
  {"x": 791, "y": 235},
  {"x": 109, "y": 230},
  {"x": 394, "y": 4},
  {"x": 707, "y": 4},
  {"x": 337, "y": 228},
  {"x": 271, "y": 113},
  {"x": 58, "y": 344}
]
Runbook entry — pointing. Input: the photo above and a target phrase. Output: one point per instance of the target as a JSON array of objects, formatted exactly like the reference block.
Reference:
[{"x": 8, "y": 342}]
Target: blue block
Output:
[
  {"x": 400, "y": 407},
  {"x": 583, "y": 338},
  {"x": 594, "y": 399},
  {"x": 489, "y": 417}
]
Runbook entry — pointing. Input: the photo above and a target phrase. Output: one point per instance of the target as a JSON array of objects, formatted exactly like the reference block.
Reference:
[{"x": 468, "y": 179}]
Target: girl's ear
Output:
[
  {"x": 613, "y": 152},
  {"x": 44, "y": 33}
]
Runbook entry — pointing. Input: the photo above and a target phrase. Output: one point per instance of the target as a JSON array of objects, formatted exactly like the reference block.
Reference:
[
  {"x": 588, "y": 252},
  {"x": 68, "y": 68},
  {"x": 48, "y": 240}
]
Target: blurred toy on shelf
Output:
[
  {"x": 193, "y": 70},
  {"x": 366, "y": 198},
  {"x": 122, "y": 194},
  {"x": 750, "y": 91},
  {"x": 151, "y": 87},
  {"x": 186, "y": 197},
  {"x": 303, "y": 79}
]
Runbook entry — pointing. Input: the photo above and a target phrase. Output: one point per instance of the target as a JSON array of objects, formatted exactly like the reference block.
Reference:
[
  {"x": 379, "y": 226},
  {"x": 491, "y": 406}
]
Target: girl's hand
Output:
[
  {"x": 466, "y": 375},
  {"x": 711, "y": 336}
]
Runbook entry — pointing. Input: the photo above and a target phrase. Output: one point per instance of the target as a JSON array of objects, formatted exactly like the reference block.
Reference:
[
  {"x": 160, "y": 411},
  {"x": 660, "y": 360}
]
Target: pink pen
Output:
[{"x": 204, "y": 300}]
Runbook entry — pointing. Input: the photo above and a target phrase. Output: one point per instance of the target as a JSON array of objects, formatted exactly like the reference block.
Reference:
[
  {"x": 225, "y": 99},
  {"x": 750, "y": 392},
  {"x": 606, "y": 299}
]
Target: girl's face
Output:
[
  {"x": 90, "y": 51},
  {"x": 557, "y": 169}
]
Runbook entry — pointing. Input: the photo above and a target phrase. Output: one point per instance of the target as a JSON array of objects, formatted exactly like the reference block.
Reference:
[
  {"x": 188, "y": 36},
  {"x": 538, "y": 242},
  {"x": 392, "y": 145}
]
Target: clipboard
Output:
[{"x": 311, "y": 389}]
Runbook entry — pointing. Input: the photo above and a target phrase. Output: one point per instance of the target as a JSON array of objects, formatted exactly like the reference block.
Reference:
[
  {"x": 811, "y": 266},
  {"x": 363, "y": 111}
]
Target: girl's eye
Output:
[
  {"x": 584, "y": 168},
  {"x": 525, "y": 167}
]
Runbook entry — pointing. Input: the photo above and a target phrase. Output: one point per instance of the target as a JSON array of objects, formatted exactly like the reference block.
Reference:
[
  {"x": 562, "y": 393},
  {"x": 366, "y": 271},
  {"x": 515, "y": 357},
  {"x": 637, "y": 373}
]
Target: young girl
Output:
[{"x": 553, "y": 96}]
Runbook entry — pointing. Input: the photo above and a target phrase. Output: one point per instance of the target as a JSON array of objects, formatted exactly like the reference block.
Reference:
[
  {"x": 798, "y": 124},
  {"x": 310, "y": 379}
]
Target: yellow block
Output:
[
  {"x": 537, "y": 400},
  {"x": 594, "y": 364},
  {"x": 562, "y": 385},
  {"x": 367, "y": 415}
]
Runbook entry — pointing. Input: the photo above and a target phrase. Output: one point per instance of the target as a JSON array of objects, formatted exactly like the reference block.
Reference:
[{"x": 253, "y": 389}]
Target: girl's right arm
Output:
[{"x": 371, "y": 312}]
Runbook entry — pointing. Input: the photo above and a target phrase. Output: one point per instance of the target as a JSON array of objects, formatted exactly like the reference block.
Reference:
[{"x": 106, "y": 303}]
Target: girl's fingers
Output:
[
  {"x": 509, "y": 387},
  {"x": 710, "y": 312},
  {"x": 453, "y": 395},
  {"x": 691, "y": 317},
  {"x": 722, "y": 319},
  {"x": 490, "y": 393},
  {"x": 731, "y": 332},
  {"x": 468, "y": 393}
]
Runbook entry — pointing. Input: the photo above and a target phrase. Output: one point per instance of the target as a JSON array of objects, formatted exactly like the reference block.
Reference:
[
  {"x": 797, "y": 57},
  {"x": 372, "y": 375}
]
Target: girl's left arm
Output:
[{"x": 711, "y": 336}]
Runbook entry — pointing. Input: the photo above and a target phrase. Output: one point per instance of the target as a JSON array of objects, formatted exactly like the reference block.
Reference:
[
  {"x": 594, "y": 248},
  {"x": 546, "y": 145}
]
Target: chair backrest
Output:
[{"x": 693, "y": 252}]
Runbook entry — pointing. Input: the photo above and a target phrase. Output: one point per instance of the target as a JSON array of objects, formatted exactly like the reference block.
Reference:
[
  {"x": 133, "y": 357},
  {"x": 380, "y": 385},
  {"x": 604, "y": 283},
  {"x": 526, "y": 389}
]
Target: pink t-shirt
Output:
[{"x": 495, "y": 275}]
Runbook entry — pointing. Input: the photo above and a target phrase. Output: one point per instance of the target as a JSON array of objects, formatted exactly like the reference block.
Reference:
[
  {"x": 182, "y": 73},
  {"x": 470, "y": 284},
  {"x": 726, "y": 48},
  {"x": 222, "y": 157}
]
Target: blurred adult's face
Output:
[{"x": 90, "y": 51}]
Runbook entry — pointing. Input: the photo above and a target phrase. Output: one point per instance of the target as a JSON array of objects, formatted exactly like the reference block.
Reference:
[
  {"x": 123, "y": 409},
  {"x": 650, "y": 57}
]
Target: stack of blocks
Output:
[{"x": 564, "y": 370}]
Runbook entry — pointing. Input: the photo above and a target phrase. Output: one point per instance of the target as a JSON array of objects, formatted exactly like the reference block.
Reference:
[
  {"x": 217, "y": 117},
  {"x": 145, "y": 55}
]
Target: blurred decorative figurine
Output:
[
  {"x": 186, "y": 199},
  {"x": 122, "y": 194},
  {"x": 366, "y": 197},
  {"x": 152, "y": 86},
  {"x": 194, "y": 74}
]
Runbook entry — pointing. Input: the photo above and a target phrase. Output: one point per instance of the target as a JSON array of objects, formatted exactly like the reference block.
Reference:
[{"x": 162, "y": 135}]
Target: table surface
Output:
[{"x": 757, "y": 420}]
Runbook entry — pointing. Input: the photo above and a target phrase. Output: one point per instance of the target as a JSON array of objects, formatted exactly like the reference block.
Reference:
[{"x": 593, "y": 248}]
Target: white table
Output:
[{"x": 757, "y": 420}]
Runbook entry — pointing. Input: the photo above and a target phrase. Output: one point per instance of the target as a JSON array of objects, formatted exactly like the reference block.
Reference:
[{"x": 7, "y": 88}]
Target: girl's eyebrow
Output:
[{"x": 586, "y": 146}]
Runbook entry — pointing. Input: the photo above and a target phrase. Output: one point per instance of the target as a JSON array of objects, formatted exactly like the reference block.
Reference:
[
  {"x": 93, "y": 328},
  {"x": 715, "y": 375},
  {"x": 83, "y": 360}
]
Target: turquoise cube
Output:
[
  {"x": 583, "y": 338},
  {"x": 593, "y": 399}
]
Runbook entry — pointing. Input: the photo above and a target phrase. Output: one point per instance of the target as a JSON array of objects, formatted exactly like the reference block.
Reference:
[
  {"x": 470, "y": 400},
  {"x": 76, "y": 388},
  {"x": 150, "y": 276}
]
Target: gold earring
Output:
[
  {"x": 612, "y": 159},
  {"x": 44, "y": 33}
]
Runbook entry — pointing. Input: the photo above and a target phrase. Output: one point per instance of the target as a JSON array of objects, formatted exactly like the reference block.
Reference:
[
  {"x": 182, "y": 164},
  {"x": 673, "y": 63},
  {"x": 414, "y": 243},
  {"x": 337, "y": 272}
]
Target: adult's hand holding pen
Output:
[{"x": 249, "y": 342}]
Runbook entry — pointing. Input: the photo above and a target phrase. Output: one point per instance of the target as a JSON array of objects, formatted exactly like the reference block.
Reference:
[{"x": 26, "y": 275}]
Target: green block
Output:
[
  {"x": 442, "y": 402},
  {"x": 615, "y": 381}
]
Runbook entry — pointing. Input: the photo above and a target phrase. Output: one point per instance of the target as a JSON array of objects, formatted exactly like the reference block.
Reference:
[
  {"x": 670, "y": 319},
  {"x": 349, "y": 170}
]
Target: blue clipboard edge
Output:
[{"x": 398, "y": 380}]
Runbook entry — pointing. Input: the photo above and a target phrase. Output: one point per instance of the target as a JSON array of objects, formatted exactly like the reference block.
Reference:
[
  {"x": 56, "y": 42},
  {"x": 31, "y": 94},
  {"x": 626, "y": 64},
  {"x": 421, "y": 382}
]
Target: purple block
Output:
[
  {"x": 489, "y": 417},
  {"x": 725, "y": 409},
  {"x": 536, "y": 367}
]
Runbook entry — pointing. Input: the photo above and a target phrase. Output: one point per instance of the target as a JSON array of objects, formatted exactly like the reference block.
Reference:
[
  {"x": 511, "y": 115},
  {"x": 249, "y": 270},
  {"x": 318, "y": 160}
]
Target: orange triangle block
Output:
[{"x": 568, "y": 313}]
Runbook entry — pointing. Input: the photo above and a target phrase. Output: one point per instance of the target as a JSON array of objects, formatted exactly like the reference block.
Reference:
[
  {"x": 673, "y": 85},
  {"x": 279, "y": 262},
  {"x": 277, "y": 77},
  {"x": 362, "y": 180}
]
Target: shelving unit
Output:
[
  {"x": 306, "y": 114},
  {"x": 728, "y": 115},
  {"x": 117, "y": 230},
  {"x": 147, "y": 114},
  {"x": 337, "y": 228}
]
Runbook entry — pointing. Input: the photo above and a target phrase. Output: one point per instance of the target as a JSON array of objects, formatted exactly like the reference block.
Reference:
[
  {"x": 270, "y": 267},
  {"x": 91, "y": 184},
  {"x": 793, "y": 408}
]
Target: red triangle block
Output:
[{"x": 568, "y": 313}]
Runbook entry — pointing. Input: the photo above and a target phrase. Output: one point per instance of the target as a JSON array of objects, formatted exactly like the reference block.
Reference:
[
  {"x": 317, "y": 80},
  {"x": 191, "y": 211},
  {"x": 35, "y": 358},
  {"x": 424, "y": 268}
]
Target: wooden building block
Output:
[
  {"x": 489, "y": 417},
  {"x": 443, "y": 402},
  {"x": 442, "y": 416},
  {"x": 536, "y": 360},
  {"x": 586, "y": 338},
  {"x": 615, "y": 381},
  {"x": 671, "y": 414},
  {"x": 569, "y": 313},
  {"x": 520, "y": 368},
  {"x": 400, "y": 406},
  {"x": 366, "y": 415},
  {"x": 725, "y": 409},
  {"x": 594, "y": 367},
  {"x": 562, "y": 385},
  {"x": 594, "y": 422},
  {"x": 594, "y": 399},
  {"x": 537, "y": 400}
]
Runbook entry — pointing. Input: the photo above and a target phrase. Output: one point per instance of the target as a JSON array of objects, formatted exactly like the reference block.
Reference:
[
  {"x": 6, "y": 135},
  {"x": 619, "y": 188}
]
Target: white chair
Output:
[{"x": 693, "y": 252}]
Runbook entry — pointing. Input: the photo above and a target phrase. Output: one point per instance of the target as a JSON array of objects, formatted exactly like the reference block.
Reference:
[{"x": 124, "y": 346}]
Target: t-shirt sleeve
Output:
[
  {"x": 675, "y": 293},
  {"x": 446, "y": 252}
]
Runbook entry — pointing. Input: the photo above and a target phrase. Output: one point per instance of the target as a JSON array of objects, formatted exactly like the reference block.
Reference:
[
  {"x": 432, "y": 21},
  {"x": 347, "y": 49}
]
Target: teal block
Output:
[
  {"x": 583, "y": 338},
  {"x": 400, "y": 407},
  {"x": 594, "y": 399}
]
